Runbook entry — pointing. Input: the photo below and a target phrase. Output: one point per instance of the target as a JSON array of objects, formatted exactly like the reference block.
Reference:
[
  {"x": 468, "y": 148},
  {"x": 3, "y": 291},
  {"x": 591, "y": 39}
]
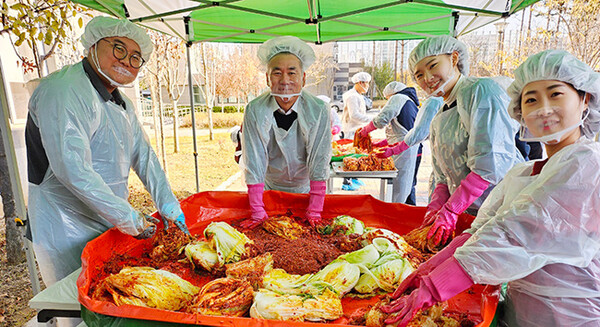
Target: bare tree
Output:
[
  {"x": 205, "y": 57},
  {"x": 153, "y": 70},
  {"x": 321, "y": 69},
  {"x": 173, "y": 76}
]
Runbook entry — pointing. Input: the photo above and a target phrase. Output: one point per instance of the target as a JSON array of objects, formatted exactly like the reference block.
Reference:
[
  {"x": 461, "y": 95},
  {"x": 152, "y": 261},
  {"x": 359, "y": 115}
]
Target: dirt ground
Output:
[{"x": 15, "y": 289}]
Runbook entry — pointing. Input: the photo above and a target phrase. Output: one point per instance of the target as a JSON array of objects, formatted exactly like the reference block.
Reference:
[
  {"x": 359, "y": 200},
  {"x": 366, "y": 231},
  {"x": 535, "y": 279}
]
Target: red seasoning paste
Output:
[{"x": 305, "y": 255}]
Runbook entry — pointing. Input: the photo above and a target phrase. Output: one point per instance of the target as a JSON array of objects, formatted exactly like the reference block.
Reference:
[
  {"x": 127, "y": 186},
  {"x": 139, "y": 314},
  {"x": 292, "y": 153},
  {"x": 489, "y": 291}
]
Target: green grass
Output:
[{"x": 215, "y": 165}]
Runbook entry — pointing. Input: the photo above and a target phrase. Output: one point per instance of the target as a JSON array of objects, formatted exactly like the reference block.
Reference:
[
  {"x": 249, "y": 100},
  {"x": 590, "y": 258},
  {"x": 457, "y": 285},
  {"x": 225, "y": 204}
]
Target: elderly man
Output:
[
  {"x": 83, "y": 137},
  {"x": 287, "y": 135}
]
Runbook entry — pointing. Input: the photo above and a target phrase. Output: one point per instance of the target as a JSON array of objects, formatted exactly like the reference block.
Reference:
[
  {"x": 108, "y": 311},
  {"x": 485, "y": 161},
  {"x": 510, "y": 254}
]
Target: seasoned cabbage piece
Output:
[{"x": 146, "y": 287}]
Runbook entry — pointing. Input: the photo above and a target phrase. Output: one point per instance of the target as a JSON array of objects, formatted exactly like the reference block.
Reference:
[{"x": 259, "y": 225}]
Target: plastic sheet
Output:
[{"x": 200, "y": 209}]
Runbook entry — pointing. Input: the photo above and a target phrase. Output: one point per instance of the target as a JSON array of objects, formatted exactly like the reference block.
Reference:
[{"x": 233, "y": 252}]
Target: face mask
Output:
[
  {"x": 110, "y": 80},
  {"x": 440, "y": 90},
  {"x": 553, "y": 138},
  {"x": 286, "y": 94}
]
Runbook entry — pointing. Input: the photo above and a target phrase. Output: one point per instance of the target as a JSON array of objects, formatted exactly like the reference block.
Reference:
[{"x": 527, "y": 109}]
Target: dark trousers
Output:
[{"x": 412, "y": 197}]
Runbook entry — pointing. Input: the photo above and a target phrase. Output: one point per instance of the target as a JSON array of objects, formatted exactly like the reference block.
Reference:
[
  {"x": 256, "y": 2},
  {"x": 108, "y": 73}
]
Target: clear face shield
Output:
[{"x": 542, "y": 121}]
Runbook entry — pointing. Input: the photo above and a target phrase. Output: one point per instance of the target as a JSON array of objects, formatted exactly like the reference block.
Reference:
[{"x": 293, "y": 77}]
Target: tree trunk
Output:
[
  {"x": 162, "y": 131},
  {"x": 175, "y": 126},
  {"x": 14, "y": 245},
  {"x": 154, "y": 92}
]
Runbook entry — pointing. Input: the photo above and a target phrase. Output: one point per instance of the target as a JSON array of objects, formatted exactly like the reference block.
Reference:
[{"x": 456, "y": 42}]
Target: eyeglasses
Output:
[{"x": 120, "y": 53}]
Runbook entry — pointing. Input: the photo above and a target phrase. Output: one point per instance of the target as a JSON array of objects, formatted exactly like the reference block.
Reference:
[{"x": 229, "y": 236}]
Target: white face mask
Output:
[
  {"x": 554, "y": 138},
  {"x": 286, "y": 93},
  {"x": 119, "y": 70},
  {"x": 439, "y": 92}
]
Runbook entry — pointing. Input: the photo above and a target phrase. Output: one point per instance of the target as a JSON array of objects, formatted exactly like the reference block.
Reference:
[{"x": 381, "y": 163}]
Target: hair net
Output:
[
  {"x": 286, "y": 44},
  {"x": 393, "y": 88},
  {"x": 438, "y": 45},
  {"x": 361, "y": 77},
  {"x": 101, "y": 27},
  {"x": 325, "y": 98},
  {"x": 561, "y": 66}
]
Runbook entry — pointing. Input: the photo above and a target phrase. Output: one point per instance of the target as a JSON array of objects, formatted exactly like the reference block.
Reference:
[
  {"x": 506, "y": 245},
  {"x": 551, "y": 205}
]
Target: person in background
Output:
[
  {"x": 83, "y": 137},
  {"x": 538, "y": 230},
  {"x": 398, "y": 117},
  {"x": 355, "y": 116},
  {"x": 472, "y": 137},
  {"x": 336, "y": 123},
  {"x": 286, "y": 142}
]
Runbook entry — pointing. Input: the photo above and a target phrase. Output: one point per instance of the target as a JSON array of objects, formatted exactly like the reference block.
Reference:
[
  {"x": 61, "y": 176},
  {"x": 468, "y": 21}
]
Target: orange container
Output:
[{"x": 479, "y": 302}]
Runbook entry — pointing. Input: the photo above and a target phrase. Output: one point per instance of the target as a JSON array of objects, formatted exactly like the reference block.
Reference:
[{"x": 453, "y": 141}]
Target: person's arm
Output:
[
  {"x": 491, "y": 150},
  {"x": 319, "y": 154},
  {"x": 66, "y": 131},
  {"x": 254, "y": 146},
  {"x": 146, "y": 165},
  {"x": 255, "y": 156},
  {"x": 553, "y": 219},
  {"x": 420, "y": 131},
  {"x": 391, "y": 110}
]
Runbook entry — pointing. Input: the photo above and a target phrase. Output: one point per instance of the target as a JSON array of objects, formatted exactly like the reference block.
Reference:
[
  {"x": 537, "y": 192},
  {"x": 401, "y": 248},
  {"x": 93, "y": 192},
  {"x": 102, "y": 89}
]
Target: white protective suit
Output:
[
  {"x": 355, "y": 113},
  {"x": 541, "y": 234},
  {"x": 286, "y": 160},
  {"x": 91, "y": 145},
  {"x": 405, "y": 162},
  {"x": 475, "y": 135}
]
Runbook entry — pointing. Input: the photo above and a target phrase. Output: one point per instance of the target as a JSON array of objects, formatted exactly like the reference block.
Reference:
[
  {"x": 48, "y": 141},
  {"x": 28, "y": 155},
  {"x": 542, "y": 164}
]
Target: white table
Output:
[
  {"x": 58, "y": 300},
  {"x": 386, "y": 178}
]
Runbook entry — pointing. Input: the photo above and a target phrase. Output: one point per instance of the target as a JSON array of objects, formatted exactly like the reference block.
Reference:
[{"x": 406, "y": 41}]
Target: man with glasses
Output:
[{"x": 83, "y": 137}]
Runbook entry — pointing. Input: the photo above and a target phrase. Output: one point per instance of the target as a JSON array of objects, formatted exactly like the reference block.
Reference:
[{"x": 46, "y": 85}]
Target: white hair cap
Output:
[
  {"x": 438, "y": 45},
  {"x": 286, "y": 44},
  {"x": 393, "y": 88},
  {"x": 100, "y": 27},
  {"x": 561, "y": 66},
  {"x": 361, "y": 77},
  {"x": 325, "y": 98}
]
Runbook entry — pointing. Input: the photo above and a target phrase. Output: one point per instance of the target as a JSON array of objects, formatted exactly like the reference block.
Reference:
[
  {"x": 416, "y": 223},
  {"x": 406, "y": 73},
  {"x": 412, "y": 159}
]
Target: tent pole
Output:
[
  {"x": 15, "y": 185},
  {"x": 188, "y": 45}
]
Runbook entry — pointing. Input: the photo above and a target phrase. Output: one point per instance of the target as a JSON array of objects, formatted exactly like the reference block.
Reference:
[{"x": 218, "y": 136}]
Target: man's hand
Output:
[
  {"x": 149, "y": 227},
  {"x": 180, "y": 223}
]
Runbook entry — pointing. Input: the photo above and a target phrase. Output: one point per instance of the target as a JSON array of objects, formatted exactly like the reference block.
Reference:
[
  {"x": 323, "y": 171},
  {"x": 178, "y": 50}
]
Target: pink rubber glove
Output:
[
  {"x": 439, "y": 196},
  {"x": 380, "y": 144},
  {"x": 315, "y": 202},
  {"x": 389, "y": 151},
  {"x": 470, "y": 189},
  {"x": 443, "y": 283},
  {"x": 257, "y": 206},
  {"x": 335, "y": 129},
  {"x": 413, "y": 280},
  {"x": 364, "y": 132}
]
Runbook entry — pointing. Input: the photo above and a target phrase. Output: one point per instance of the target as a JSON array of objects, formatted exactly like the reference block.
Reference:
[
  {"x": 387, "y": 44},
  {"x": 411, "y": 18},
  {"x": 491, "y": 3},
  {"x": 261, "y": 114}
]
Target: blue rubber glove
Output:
[
  {"x": 180, "y": 223},
  {"x": 172, "y": 212}
]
